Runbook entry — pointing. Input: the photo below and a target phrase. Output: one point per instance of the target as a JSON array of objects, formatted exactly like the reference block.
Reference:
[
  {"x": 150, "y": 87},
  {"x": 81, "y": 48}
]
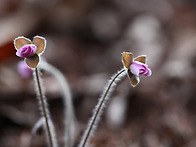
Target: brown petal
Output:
[
  {"x": 40, "y": 42},
  {"x": 33, "y": 61},
  {"x": 141, "y": 59},
  {"x": 129, "y": 74},
  {"x": 134, "y": 80},
  {"x": 20, "y": 42},
  {"x": 127, "y": 59}
]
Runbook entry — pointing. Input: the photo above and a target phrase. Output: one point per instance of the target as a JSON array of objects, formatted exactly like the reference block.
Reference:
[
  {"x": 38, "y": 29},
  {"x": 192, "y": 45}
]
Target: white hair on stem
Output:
[
  {"x": 51, "y": 135},
  {"x": 68, "y": 111},
  {"x": 98, "y": 110}
]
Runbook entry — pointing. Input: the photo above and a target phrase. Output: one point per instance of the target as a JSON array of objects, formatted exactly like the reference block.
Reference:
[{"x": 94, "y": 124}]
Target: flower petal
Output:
[
  {"x": 141, "y": 59},
  {"x": 27, "y": 51},
  {"x": 129, "y": 74},
  {"x": 134, "y": 80},
  {"x": 21, "y": 41},
  {"x": 127, "y": 59},
  {"x": 135, "y": 69},
  {"x": 33, "y": 61},
  {"x": 40, "y": 42},
  {"x": 149, "y": 72}
]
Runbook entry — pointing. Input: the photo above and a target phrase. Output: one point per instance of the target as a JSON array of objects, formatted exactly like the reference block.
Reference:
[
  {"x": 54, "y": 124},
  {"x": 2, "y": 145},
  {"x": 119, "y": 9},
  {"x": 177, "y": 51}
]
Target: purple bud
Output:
[
  {"x": 27, "y": 51},
  {"x": 24, "y": 70},
  {"x": 138, "y": 68}
]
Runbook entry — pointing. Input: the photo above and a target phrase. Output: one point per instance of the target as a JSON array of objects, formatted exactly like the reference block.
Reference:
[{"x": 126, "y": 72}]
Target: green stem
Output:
[{"x": 43, "y": 104}]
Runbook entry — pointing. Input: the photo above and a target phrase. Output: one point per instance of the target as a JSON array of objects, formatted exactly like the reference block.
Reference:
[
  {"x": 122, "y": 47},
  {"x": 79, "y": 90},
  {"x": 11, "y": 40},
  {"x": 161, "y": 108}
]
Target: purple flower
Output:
[
  {"x": 24, "y": 70},
  {"x": 135, "y": 67},
  {"x": 27, "y": 51},
  {"x": 30, "y": 50},
  {"x": 138, "y": 68}
]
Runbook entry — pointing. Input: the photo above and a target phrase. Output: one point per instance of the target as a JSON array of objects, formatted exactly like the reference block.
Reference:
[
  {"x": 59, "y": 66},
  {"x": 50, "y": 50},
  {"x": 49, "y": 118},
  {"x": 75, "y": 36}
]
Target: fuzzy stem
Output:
[
  {"x": 44, "y": 110},
  {"x": 99, "y": 107},
  {"x": 69, "y": 114}
]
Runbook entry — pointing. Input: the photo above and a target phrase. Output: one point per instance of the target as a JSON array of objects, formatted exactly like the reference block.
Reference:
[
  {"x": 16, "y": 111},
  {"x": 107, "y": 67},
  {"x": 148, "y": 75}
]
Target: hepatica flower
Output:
[
  {"x": 135, "y": 67},
  {"x": 30, "y": 50}
]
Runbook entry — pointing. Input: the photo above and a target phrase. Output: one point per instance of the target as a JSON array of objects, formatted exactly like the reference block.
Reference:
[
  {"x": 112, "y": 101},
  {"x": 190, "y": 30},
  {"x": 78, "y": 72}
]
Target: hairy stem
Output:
[
  {"x": 45, "y": 111},
  {"x": 99, "y": 107},
  {"x": 69, "y": 114}
]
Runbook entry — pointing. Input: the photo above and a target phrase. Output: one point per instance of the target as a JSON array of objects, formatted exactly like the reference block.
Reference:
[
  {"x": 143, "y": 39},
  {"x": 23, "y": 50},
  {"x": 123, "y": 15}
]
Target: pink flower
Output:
[
  {"x": 138, "y": 68},
  {"x": 135, "y": 67},
  {"x": 24, "y": 70},
  {"x": 27, "y": 51},
  {"x": 30, "y": 50}
]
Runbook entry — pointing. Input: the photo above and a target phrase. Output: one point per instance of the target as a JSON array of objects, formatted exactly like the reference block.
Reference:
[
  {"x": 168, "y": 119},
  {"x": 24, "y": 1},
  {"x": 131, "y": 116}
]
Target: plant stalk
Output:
[
  {"x": 44, "y": 109},
  {"x": 98, "y": 109},
  {"x": 69, "y": 114}
]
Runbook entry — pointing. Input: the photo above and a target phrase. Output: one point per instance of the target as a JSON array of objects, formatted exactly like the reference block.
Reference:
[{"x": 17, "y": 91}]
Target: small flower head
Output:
[
  {"x": 135, "y": 67},
  {"x": 138, "y": 68},
  {"x": 24, "y": 70},
  {"x": 30, "y": 50},
  {"x": 27, "y": 51}
]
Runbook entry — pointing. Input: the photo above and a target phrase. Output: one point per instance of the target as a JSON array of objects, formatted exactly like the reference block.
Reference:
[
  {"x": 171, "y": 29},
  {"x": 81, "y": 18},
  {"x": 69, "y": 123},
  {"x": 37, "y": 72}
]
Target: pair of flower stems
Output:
[{"x": 31, "y": 51}]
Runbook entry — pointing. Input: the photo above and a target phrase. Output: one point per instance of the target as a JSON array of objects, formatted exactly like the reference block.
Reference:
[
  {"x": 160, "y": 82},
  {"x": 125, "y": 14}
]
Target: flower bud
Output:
[
  {"x": 27, "y": 51},
  {"x": 138, "y": 68}
]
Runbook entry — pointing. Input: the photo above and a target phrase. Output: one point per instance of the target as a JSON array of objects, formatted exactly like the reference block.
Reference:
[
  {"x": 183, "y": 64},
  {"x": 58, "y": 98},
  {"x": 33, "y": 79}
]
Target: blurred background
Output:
[{"x": 85, "y": 39}]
